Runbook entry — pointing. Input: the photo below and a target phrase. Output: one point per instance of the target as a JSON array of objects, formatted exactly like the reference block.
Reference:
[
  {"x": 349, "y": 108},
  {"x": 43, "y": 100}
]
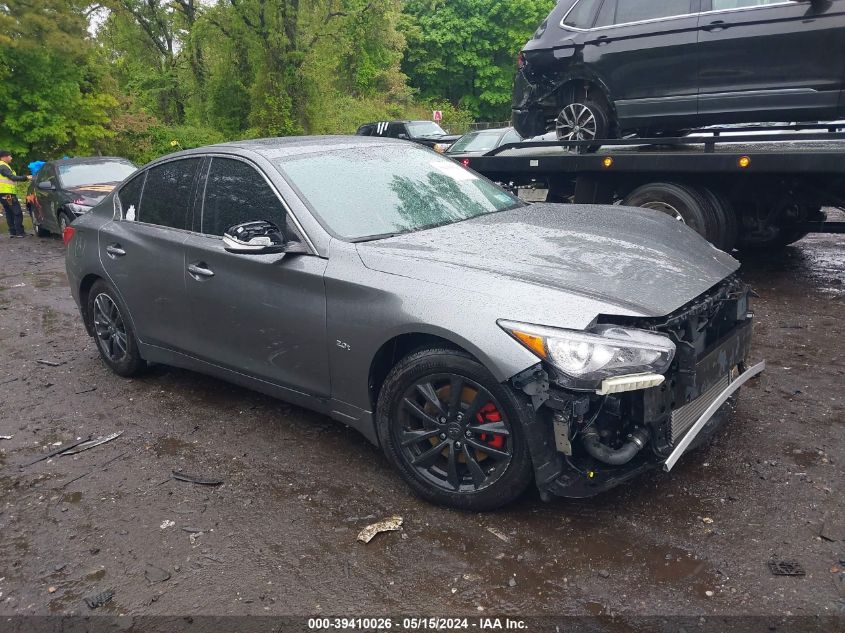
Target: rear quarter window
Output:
[{"x": 581, "y": 15}]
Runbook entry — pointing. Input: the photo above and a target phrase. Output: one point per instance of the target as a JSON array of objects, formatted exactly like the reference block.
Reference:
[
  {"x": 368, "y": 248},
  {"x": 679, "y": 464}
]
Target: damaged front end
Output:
[{"x": 587, "y": 438}]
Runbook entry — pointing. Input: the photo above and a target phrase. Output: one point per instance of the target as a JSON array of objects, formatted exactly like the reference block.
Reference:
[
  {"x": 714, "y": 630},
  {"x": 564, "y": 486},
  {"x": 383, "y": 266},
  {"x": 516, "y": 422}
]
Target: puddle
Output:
[
  {"x": 170, "y": 446},
  {"x": 72, "y": 497},
  {"x": 49, "y": 320},
  {"x": 96, "y": 575},
  {"x": 44, "y": 280},
  {"x": 804, "y": 457}
]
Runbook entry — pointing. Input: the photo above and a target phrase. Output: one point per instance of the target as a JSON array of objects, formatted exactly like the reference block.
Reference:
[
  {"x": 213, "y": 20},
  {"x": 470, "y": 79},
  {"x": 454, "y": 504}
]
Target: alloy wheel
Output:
[
  {"x": 576, "y": 122},
  {"x": 454, "y": 433},
  {"x": 110, "y": 328}
]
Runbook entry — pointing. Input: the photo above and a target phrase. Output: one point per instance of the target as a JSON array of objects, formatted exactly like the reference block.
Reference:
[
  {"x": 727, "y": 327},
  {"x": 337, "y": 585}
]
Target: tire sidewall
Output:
[
  {"x": 132, "y": 363},
  {"x": 688, "y": 204},
  {"x": 519, "y": 473}
]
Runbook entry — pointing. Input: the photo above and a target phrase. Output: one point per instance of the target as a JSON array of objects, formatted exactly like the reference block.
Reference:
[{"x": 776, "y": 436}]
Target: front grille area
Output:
[{"x": 683, "y": 418}]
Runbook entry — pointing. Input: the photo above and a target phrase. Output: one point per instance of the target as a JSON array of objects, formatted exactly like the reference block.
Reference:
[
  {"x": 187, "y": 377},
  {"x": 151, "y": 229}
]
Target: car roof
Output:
[
  {"x": 81, "y": 160},
  {"x": 278, "y": 147}
]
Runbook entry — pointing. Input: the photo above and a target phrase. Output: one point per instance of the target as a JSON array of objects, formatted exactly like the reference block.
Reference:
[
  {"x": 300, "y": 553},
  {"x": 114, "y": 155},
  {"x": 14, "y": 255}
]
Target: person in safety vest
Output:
[{"x": 8, "y": 195}]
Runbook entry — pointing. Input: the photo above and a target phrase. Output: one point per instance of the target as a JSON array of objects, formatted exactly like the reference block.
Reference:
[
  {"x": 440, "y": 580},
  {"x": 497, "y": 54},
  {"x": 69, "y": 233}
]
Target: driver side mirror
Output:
[
  {"x": 46, "y": 185},
  {"x": 404, "y": 137},
  {"x": 259, "y": 237}
]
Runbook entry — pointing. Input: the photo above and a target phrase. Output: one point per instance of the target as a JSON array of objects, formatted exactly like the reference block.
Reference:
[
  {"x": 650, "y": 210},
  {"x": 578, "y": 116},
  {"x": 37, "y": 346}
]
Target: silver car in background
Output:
[{"x": 482, "y": 343}]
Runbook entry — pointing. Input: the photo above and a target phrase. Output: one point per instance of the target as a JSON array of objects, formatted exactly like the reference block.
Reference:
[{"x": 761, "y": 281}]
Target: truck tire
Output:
[
  {"x": 728, "y": 220},
  {"x": 684, "y": 202}
]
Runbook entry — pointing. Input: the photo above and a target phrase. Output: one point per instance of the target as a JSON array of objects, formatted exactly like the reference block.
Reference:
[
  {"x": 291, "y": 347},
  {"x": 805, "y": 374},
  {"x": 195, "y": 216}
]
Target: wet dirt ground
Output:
[{"x": 279, "y": 535}]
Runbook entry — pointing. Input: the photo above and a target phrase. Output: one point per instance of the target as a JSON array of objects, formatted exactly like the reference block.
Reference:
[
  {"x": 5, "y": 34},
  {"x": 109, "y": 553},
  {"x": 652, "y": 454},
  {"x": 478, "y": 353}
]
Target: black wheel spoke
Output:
[
  {"x": 421, "y": 415},
  {"x": 120, "y": 341},
  {"x": 452, "y": 472},
  {"x": 427, "y": 459},
  {"x": 443, "y": 437},
  {"x": 428, "y": 392},
  {"x": 493, "y": 453},
  {"x": 494, "y": 428},
  {"x": 476, "y": 472},
  {"x": 456, "y": 388},
  {"x": 409, "y": 438}
]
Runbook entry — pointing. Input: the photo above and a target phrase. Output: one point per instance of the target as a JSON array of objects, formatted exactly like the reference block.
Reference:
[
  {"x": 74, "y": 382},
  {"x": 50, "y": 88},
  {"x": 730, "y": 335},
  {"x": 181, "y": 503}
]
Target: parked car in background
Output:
[
  {"x": 604, "y": 68},
  {"x": 482, "y": 343},
  {"x": 64, "y": 189},
  {"x": 482, "y": 141},
  {"x": 426, "y": 133}
]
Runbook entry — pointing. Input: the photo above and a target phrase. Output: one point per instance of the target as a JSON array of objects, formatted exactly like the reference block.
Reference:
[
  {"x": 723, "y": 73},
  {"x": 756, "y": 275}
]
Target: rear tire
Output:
[
  {"x": 728, "y": 220},
  {"x": 438, "y": 445},
  {"x": 684, "y": 203},
  {"x": 109, "y": 319},
  {"x": 583, "y": 120}
]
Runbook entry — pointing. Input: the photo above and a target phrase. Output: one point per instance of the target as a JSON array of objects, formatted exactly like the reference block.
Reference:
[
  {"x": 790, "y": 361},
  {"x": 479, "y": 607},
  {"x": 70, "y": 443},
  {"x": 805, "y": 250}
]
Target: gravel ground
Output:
[{"x": 279, "y": 535}]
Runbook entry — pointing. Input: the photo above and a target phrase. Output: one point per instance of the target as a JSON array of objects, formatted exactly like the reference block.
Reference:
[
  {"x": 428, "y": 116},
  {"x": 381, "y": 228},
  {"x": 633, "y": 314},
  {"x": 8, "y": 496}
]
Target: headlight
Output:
[
  {"x": 78, "y": 209},
  {"x": 586, "y": 359}
]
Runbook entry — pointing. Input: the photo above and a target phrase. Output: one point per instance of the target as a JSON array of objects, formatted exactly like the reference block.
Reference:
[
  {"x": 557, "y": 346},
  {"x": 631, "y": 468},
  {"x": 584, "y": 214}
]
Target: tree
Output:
[
  {"x": 465, "y": 50},
  {"x": 55, "y": 93}
]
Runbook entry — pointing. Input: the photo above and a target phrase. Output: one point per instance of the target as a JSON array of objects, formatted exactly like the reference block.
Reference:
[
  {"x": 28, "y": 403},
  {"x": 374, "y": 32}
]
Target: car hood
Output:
[
  {"x": 91, "y": 195},
  {"x": 636, "y": 261}
]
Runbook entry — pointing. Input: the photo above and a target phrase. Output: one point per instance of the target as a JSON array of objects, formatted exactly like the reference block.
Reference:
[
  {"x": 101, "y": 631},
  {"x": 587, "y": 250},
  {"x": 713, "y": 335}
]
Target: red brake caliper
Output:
[{"x": 486, "y": 415}]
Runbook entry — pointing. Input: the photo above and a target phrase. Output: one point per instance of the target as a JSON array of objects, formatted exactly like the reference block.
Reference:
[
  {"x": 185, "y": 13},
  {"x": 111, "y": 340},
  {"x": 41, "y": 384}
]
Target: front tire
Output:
[
  {"x": 108, "y": 318},
  {"x": 65, "y": 220},
  {"x": 453, "y": 432}
]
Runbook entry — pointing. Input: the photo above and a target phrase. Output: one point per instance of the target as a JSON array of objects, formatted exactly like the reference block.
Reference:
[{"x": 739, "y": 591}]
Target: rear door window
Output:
[
  {"x": 639, "y": 10},
  {"x": 167, "y": 193},
  {"x": 235, "y": 192}
]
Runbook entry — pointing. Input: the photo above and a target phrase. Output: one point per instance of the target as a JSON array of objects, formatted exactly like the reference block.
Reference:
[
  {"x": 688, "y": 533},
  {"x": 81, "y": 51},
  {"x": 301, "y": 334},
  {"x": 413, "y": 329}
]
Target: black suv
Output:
[
  {"x": 426, "y": 133},
  {"x": 603, "y": 68}
]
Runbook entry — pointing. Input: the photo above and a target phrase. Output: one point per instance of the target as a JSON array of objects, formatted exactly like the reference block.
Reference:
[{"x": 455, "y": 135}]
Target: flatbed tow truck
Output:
[{"x": 740, "y": 187}]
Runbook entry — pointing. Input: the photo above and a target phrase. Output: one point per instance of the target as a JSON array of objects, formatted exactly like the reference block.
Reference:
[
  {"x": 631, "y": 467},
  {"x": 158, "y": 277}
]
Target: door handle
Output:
[
  {"x": 115, "y": 251},
  {"x": 602, "y": 40},
  {"x": 717, "y": 25},
  {"x": 200, "y": 269}
]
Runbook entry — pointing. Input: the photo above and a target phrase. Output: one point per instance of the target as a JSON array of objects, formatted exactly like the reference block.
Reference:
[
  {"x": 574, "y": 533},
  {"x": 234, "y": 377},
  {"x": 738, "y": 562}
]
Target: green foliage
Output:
[
  {"x": 53, "y": 89},
  {"x": 203, "y": 71},
  {"x": 465, "y": 50}
]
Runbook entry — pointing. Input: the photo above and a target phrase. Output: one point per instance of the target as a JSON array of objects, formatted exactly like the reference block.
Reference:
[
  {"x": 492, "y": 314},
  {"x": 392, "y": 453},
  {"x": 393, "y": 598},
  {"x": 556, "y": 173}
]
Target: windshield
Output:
[
  {"x": 425, "y": 128},
  {"x": 476, "y": 142},
  {"x": 95, "y": 172},
  {"x": 369, "y": 192}
]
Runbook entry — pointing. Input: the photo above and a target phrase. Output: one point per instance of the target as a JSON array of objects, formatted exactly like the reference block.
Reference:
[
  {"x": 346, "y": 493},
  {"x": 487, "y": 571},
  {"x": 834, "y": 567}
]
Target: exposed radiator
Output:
[{"x": 687, "y": 415}]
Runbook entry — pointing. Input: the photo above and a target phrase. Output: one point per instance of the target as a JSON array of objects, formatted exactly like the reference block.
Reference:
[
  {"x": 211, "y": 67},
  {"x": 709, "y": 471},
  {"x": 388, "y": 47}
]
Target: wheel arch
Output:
[
  {"x": 398, "y": 347},
  {"x": 85, "y": 286}
]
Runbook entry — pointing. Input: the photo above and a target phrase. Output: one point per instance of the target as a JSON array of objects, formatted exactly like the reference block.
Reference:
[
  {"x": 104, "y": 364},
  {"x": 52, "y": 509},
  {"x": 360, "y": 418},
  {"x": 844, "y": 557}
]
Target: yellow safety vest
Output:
[{"x": 8, "y": 185}]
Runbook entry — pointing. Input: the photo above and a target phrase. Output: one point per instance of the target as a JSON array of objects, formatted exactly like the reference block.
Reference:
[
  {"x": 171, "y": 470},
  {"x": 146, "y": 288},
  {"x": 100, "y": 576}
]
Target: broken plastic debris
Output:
[
  {"x": 391, "y": 524},
  {"x": 50, "y": 363},
  {"x": 6, "y": 437},
  {"x": 192, "y": 479},
  {"x": 56, "y": 452},
  {"x": 166, "y": 524},
  {"x": 99, "y": 599},
  {"x": 91, "y": 444},
  {"x": 786, "y": 568},
  {"x": 499, "y": 535}
]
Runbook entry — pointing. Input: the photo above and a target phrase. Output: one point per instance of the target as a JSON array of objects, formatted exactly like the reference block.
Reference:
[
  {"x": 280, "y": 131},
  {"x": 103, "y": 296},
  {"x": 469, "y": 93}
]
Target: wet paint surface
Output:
[{"x": 279, "y": 536}]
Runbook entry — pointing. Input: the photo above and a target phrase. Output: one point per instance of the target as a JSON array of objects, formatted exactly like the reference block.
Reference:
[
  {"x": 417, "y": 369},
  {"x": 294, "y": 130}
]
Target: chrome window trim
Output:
[
  {"x": 623, "y": 24},
  {"x": 754, "y": 8},
  {"x": 273, "y": 188}
]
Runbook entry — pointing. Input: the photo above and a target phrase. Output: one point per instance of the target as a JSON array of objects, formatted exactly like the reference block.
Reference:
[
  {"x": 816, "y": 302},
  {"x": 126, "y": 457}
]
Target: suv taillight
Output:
[
  {"x": 520, "y": 60},
  {"x": 67, "y": 234}
]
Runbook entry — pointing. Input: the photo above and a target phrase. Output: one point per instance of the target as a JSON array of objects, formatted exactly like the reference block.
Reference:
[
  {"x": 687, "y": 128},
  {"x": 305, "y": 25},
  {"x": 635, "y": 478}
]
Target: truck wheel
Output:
[
  {"x": 684, "y": 203},
  {"x": 727, "y": 219},
  {"x": 582, "y": 120}
]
